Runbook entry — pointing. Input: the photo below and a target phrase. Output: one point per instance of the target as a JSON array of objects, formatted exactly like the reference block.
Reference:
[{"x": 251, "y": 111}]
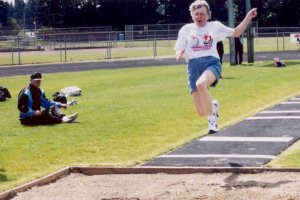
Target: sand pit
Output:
[{"x": 266, "y": 185}]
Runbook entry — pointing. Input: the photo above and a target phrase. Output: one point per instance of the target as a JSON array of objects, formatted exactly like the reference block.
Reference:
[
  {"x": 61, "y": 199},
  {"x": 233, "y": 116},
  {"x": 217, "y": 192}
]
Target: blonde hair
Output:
[{"x": 198, "y": 4}]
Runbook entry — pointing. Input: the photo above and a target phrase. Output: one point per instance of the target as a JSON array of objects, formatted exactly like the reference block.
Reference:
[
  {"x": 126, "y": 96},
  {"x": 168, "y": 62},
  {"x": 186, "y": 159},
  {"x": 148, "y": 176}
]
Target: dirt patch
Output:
[{"x": 267, "y": 185}]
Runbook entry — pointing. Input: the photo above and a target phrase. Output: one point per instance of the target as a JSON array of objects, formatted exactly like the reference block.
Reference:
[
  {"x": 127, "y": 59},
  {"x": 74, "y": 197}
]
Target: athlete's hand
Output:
[
  {"x": 179, "y": 54},
  {"x": 63, "y": 105},
  {"x": 252, "y": 13},
  {"x": 37, "y": 113}
]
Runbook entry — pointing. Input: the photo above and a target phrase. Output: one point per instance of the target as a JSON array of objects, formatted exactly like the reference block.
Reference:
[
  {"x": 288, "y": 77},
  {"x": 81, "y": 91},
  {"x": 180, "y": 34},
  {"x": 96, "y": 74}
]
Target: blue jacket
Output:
[{"x": 31, "y": 99}]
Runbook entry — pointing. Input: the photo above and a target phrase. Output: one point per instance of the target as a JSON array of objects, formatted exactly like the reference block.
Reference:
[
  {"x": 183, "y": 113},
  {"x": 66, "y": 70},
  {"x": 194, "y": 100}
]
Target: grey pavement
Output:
[
  {"x": 6, "y": 71},
  {"x": 249, "y": 143}
]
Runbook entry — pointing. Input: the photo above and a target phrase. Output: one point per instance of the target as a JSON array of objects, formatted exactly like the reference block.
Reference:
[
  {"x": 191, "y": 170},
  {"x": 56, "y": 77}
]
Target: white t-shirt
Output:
[{"x": 201, "y": 42}]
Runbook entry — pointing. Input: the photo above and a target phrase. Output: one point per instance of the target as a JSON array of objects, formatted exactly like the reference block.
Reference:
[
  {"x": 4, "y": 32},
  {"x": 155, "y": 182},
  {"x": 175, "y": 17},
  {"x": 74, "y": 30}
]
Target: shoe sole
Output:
[
  {"x": 212, "y": 132},
  {"x": 74, "y": 117}
]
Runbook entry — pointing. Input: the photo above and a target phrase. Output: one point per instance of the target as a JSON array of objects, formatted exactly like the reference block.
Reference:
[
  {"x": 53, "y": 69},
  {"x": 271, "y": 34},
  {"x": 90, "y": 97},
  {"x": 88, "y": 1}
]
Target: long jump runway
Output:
[{"x": 249, "y": 143}]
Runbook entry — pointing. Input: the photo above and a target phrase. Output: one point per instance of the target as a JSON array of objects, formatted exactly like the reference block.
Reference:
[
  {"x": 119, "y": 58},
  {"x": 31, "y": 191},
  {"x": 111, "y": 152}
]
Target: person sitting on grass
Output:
[{"x": 30, "y": 101}]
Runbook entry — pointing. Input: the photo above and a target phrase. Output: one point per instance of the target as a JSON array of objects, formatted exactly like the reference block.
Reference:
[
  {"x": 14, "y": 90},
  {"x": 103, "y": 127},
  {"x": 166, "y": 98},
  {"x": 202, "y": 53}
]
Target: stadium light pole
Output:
[
  {"x": 231, "y": 39},
  {"x": 250, "y": 36},
  {"x": 34, "y": 23}
]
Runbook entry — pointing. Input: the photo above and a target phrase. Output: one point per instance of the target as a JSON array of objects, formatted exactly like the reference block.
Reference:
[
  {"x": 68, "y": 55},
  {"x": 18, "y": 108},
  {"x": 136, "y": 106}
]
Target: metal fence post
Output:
[
  {"x": 108, "y": 50},
  {"x": 65, "y": 48},
  {"x": 169, "y": 35},
  {"x": 277, "y": 39},
  {"x": 12, "y": 54},
  {"x": 60, "y": 53},
  {"x": 19, "y": 53},
  {"x": 256, "y": 33},
  {"x": 283, "y": 45},
  {"x": 154, "y": 48},
  {"x": 110, "y": 46}
]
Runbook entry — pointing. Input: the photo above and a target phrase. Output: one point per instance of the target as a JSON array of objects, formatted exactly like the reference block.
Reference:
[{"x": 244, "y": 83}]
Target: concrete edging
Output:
[
  {"x": 38, "y": 182},
  {"x": 135, "y": 170}
]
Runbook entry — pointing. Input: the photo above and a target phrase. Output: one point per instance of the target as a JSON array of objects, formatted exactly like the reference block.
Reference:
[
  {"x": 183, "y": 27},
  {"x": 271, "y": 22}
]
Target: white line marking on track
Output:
[
  {"x": 274, "y": 117},
  {"x": 280, "y": 111},
  {"x": 245, "y": 139},
  {"x": 295, "y": 99},
  {"x": 217, "y": 156},
  {"x": 291, "y": 102}
]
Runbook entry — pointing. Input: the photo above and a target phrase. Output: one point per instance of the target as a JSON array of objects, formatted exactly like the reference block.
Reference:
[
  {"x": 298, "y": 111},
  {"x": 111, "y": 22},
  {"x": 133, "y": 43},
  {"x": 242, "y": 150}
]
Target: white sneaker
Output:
[
  {"x": 214, "y": 119},
  {"x": 216, "y": 107},
  {"x": 69, "y": 118}
]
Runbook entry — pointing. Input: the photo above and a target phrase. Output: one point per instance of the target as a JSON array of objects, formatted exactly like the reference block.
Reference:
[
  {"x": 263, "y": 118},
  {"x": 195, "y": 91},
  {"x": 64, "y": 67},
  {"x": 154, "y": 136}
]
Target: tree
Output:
[
  {"x": 177, "y": 11},
  {"x": 290, "y": 9},
  {"x": 149, "y": 12},
  {"x": 70, "y": 14},
  {"x": 31, "y": 13},
  {"x": 117, "y": 13},
  {"x": 3, "y": 14},
  {"x": 47, "y": 12},
  {"x": 19, "y": 12},
  {"x": 273, "y": 12}
]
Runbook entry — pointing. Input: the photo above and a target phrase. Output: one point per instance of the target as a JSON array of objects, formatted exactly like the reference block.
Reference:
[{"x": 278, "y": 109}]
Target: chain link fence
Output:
[{"x": 84, "y": 44}]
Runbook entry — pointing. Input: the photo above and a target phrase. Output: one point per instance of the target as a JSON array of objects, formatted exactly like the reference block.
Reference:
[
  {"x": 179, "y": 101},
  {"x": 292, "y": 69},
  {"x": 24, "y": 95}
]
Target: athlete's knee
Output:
[{"x": 201, "y": 85}]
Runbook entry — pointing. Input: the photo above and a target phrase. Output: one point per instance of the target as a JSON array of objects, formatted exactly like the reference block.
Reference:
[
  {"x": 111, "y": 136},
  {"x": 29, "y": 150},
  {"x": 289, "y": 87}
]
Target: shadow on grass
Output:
[
  {"x": 228, "y": 77},
  {"x": 3, "y": 177}
]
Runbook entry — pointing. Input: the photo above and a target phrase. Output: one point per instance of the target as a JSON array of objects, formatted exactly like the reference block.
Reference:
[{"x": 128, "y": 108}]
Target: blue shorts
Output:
[{"x": 197, "y": 66}]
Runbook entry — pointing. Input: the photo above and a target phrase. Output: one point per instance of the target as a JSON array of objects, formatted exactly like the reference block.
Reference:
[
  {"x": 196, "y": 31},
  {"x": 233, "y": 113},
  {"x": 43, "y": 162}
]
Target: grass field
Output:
[
  {"x": 128, "y": 116},
  {"x": 131, "y": 49}
]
